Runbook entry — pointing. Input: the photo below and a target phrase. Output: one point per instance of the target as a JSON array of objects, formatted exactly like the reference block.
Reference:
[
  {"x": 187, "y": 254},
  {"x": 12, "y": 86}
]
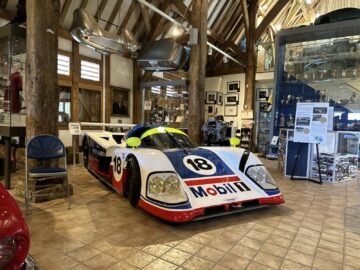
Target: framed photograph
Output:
[
  {"x": 262, "y": 94},
  {"x": 210, "y": 98},
  {"x": 232, "y": 99},
  {"x": 219, "y": 98},
  {"x": 211, "y": 110},
  {"x": 120, "y": 101},
  {"x": 233, "y": 87},
  {"x": 231, "y": 110}
]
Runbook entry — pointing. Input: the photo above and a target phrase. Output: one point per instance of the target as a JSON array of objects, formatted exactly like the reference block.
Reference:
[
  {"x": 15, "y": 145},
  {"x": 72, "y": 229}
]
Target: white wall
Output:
[
  {"x": 121, "y": 75},
  {"x": 219, "y": 84},
  {"x": 65, "y": 44}
]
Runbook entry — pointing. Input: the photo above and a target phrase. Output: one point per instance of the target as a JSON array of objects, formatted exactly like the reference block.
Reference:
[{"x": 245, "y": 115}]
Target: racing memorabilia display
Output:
[
  {"x": 311, "y": 122},
  {"x": 216, "y": 132},
  {"x": 184, "y": 182}
]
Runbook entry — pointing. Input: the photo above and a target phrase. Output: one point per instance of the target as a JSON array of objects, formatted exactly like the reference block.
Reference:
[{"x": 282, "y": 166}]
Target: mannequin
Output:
[{"x": 12, "y": 95}]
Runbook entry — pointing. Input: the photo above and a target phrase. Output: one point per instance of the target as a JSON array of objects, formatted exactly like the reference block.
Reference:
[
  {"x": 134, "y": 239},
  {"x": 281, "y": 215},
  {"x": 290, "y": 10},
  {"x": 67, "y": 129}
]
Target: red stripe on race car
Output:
[{"x": 207, "y": 181}]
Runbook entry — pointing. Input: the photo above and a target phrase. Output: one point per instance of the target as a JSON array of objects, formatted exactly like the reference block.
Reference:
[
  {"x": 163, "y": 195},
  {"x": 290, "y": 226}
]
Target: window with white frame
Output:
[
  {"x": 63, "y": 64},
  {"x": 89, "y": 71}
]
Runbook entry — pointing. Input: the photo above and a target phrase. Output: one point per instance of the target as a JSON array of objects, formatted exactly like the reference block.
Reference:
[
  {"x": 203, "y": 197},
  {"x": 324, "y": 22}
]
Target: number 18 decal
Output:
[
  {"x": 199, "y": 165},
  {"x": 117, "y": 168}
]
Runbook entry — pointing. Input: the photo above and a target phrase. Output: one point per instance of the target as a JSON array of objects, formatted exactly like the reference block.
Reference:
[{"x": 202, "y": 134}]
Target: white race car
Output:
[{"x": 161, "y": 171}]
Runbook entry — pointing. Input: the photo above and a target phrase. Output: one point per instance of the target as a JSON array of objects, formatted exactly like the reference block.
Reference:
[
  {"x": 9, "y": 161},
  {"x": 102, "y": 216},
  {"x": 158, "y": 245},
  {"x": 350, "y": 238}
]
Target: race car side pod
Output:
[{"x": 243, "y": 160}]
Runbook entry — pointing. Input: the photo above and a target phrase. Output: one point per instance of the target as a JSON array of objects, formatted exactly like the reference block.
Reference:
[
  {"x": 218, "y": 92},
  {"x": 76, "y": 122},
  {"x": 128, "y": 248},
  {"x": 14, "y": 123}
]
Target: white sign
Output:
[
  {"x": 74, "y": 128},
  {"x": 147, "y": 105},
  {"x": 311, "y": 122}
]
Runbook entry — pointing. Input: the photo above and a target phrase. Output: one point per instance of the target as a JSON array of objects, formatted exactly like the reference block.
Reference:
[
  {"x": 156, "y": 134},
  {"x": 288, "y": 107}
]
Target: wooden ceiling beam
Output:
[
  {"x": 157, "y": 22},
  {"x": 127, "y": 17},
  {"x": 245, "y": 13},
  {"x": 101, "y": 8},
  {"x": 180, "y": 8},
  {"x": 224, "y": 11},
  {"x": 146, "y": 18},
  {"x": 64, "y": 11},
  {"x": 226, "y": 20},
  {"x": 113, "y": 14},
  {"x": 270, "y": 16},
  {"x": 84, "y": 4}
]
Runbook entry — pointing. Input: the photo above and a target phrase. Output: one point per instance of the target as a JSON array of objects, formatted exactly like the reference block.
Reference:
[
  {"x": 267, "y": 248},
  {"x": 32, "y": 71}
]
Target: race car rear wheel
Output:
[
  {"x": 86, "y": 152},
  {"x": 134, "y": 182}
]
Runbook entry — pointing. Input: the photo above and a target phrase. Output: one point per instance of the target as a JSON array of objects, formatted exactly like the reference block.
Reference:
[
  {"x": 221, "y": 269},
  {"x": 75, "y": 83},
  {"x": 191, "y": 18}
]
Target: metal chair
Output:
[{"x": 44, "y": 148}]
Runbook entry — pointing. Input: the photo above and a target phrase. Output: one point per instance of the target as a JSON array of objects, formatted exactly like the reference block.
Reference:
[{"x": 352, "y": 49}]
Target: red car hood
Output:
[{"x": 12, "y": 224}]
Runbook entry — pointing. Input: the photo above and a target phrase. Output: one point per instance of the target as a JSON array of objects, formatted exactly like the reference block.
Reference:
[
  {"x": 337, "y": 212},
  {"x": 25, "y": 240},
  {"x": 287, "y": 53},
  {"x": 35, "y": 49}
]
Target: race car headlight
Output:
[
  {"x": 165, "y": 188},
  {"x": 262, "y": 177},
  {"x": 7, "y": 251}
]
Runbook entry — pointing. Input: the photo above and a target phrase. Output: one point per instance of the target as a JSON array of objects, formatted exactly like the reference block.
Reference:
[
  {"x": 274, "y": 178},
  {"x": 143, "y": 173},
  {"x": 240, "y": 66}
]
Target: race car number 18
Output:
[
  {"x": 117, "y": 165},
  {"x": 199, "y": 165}
]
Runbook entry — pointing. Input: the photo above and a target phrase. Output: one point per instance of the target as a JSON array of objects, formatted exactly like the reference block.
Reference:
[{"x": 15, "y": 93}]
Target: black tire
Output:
[
  {"x": 86, "y": 153},
  {"x": 134, "y": 182}
]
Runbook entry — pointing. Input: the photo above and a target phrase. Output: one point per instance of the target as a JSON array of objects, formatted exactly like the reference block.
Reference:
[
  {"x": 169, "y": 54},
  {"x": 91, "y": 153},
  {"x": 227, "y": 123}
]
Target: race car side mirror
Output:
[
  {"x": 234, "y": 142},
  {"x": 133, "y": 142}
]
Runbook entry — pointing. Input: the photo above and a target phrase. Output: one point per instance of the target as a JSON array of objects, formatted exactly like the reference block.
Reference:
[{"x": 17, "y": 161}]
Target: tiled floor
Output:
[{"x": 317, "y": 228}]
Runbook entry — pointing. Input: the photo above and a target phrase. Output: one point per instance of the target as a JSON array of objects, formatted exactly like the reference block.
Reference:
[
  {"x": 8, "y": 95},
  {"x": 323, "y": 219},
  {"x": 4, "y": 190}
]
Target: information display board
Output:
[{"x": 311, "y": 122}]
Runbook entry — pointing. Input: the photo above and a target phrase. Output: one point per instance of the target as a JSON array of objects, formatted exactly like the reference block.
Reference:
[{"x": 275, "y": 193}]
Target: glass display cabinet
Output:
[
  {"x": 263, "y": 117},
  {"x": 12, "y": 73},
  {"x": 318, "y": 63},
  {"x": 338, "y": 157}
]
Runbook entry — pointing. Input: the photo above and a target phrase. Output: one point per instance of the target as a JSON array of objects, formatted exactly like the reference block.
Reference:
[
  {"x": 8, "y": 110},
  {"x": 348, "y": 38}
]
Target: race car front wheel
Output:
[{"x": 134, "y": 182}]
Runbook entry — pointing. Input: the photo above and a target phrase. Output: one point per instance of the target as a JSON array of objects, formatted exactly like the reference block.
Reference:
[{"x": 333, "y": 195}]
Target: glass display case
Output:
[
  {"x": 166, "y": 105},
  {"x": 338, "y": 157},
  {"x": 12, "y": 75},
  {"x": 319, "y": 63},
  {"x": 263, "y": 117}
]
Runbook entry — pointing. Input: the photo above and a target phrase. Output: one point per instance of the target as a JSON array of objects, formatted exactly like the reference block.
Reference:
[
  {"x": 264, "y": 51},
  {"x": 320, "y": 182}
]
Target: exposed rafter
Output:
[
  {"x": 146, "y": 17},
  {"x": 101, "y": 8},
  {"x": 84, "y": 3},
  {"x": 280, "y": 4},
  {"x": 127, "y": 17},
  {"x": 114, "y": 12},
  {"x": 245, "y": 14},
  {"x": 64, "y": 11}
]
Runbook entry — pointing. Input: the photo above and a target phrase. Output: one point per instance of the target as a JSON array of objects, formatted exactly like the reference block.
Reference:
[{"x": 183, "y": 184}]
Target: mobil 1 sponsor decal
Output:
[{"x": 218, "y": 189}]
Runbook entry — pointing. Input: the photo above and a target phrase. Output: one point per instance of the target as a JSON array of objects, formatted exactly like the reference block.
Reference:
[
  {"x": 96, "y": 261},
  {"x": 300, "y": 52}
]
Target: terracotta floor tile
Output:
[
  {"x": 352, "y": 261},
  {"x": 101, "y": 261},
  {"x": 175, "y": 256},
  {"x": 274, "y": 250},
  {"x": 222, "y": 244},
  {"x": 243, "y": 251},
  {"x": 306, "y": 239},
  {"x": 189, "y": 246},
  {"x": 321, "y": 263},
  {"x": 329, "y": 255},
  {"x": 83, "y": 253},
  {"x": 122, "y": 266},
  {"x": 258, "y": 266},
  {"x": 304, "y": 248},
  {"x": 156, "y": 250},
  {"x": 280, "y": 241},
  {"x": 195, "y": 263},
  {"x": 160, "y": 264},
  {"x": 234, "y": 262},
  {"x": 251, "y": 243},
  {"x": 140, "y": 259},
  {"x": 299, "y": 257},
  {"x": 290, "y": 265},
  {"x": 257, "y": 235},
  {"x": 210, "y": 254},
  {"x": 331, "y": 246},
  {"x": 268, "y": 260},
  {"x": 121, "y": 252}
]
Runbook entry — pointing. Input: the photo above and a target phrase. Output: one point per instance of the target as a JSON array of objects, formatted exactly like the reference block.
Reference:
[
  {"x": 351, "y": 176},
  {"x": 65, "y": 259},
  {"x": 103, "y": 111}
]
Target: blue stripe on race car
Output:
[
  {"x": 272, "y": 192},
  {"x": 176, "y": 158}
]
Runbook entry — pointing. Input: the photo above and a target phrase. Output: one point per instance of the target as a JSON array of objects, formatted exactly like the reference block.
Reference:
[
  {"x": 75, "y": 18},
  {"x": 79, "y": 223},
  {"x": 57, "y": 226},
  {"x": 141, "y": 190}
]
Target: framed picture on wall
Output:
[
  {"x": 210, "y": 98},
  {"x": 231, "y": 99},
  {"x": 231, "y": 110},
  {"x": 262, "y": 94},
  {"x": 219, "y": 98},
  {"x": 233, "y": 87},
  {"x": 120, "y": 101},
  {"x": 211, "y": 110}
]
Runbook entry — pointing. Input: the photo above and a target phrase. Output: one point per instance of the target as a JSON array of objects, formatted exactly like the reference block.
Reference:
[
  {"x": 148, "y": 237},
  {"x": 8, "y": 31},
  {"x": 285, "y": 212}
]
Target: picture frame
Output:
[
  {"x": 120, "y": 100},
  {"x": 233, "y": 87},
  {"x": 231, "y": 110},
  {"x": 210, "y": 110},
  {"x": 219, "y": 98},
  {"x": 210, "y": 97},
  {"x": 232, "y": 99},
  {"x": 262, "y": 94}
]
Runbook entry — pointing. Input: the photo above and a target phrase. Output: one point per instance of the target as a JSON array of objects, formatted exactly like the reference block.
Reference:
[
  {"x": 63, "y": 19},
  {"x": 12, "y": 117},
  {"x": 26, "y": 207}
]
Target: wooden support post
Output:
[
  {"x": 107, "y": 90},
  {"x": 75, "y": 82},
  {"x": 197, "y": 72},
  {"x": 137, "y": 95},
  {"x": 42, "y": 93}
]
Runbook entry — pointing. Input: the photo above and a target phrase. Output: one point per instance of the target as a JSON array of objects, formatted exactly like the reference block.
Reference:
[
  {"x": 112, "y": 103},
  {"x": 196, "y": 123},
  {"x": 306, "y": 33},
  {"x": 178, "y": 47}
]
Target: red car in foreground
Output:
[{"x": 14, "y": 233}]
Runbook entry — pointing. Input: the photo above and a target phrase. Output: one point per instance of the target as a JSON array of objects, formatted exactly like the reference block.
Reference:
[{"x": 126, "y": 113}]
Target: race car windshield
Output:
[{"x": 165, "y": 141}]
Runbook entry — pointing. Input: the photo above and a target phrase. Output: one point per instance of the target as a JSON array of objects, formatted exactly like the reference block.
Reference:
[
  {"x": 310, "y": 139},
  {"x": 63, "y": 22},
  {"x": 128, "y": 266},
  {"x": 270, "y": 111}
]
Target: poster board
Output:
[{"x": 311, "y": 122}]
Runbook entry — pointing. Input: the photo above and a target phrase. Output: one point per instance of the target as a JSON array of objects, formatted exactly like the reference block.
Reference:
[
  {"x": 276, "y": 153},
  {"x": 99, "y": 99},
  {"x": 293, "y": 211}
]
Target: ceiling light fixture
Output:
[
  {"x": 317, "y": 15},
  {"x": 308, "y": 2},
  {"x": 209, "y": 50},
  {"x": 225, "y": 59},
  {"x": 278, "y": 27}
]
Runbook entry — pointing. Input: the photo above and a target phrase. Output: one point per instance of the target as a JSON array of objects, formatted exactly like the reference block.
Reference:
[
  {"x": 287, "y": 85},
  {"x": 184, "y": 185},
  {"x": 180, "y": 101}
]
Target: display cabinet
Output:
[
  {"x": 245, "y": 138},
  {"x": 319, "y": 63},
  {"x": 12, "y": 73},
  {"x": 338, "y": 157}
]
